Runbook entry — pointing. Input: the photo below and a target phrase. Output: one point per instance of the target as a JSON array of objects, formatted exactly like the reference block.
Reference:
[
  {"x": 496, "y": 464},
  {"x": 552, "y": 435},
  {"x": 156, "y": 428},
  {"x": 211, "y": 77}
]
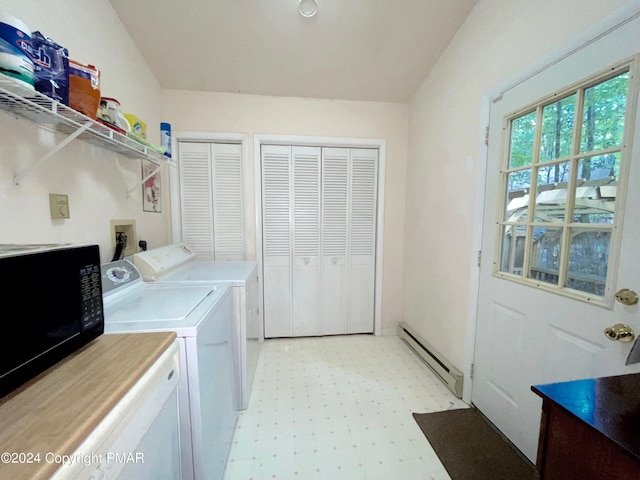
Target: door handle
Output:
[
  {"x": 621, "y": 332},
  {"x": 627, "y": 297}
]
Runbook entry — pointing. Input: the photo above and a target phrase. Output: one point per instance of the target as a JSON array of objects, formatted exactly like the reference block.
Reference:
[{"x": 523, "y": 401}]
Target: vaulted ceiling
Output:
[{"x": 373, "y": 50}]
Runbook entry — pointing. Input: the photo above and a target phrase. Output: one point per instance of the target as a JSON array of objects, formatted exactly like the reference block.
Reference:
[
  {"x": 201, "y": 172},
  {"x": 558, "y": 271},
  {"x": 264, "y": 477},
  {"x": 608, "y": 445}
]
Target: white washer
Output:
[
  {"x": 177, "y": 263},
  {"x": 201, "y": 315}
]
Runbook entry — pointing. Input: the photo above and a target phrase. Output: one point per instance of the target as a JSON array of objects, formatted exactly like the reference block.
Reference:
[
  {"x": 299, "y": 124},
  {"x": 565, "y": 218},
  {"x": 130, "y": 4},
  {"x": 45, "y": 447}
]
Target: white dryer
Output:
[
  {"x": 177, "y": 263},
  {"x": 201, "y": 315}
]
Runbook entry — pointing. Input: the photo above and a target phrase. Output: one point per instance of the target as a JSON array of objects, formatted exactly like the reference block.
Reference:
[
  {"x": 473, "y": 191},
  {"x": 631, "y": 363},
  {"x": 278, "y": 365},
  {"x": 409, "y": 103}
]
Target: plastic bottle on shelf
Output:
[{"x": 165, "y": 138}]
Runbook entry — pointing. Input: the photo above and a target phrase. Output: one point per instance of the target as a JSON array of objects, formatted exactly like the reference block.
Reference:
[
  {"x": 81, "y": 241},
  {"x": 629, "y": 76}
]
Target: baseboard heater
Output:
[{"x": 449, "y": 374}]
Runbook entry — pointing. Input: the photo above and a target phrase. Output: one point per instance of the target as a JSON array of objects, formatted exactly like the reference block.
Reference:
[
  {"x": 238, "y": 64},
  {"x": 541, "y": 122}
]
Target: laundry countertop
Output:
[{"x": 51, "y": 415}]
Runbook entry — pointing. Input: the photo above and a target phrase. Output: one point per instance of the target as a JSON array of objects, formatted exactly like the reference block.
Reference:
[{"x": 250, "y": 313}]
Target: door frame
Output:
[
  {"x": 296, "y": 140},
  {"x": 576, "y": 43}
]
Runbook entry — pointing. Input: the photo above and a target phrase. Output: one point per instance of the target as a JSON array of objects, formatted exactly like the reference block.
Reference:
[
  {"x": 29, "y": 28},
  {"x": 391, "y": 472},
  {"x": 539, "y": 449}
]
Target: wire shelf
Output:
[{"x": 52, "y": 114}]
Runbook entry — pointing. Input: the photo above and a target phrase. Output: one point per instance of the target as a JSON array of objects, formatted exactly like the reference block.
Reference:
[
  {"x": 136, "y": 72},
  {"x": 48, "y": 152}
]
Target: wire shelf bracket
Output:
[
  {"x": 131, "y": 190},
  {"x": 18, "y": 178}
]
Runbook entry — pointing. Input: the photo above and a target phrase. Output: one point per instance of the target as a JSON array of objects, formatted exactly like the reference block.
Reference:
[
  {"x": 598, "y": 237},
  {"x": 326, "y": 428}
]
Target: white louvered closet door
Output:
[
  {"x": 196, "y": 197},
  {"x": 319, "y": 227},
  {"x": 211, "y": 199},
  {"x": 276, "y": 238},
  {"x": 228, "y": 225},
  {"x": 335, "y": 223},
  {"x": 362, "y": 239},
  {"x": 306, "y": 241}
]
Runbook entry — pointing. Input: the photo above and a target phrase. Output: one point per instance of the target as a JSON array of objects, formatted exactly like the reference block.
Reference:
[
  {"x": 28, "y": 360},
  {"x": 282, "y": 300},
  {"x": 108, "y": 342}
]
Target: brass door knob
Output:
[
  {"x": 621, "y": 332},
  {"x": 627, "y": 297}
]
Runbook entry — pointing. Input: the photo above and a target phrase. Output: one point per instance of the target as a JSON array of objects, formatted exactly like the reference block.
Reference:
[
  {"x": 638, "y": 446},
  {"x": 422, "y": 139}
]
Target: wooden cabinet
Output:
[{"x": 590, "y": 429}]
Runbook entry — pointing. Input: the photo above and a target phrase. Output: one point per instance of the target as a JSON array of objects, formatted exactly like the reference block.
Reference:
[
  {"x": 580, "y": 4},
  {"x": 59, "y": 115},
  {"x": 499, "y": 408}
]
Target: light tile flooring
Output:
[{"x": 334, "y": 408}]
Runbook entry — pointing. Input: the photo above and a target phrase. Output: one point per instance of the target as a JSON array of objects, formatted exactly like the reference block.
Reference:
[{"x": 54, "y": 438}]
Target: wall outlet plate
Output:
[
  {"x": 59, "y": 205},
  {"x": 127, "y": 228}
]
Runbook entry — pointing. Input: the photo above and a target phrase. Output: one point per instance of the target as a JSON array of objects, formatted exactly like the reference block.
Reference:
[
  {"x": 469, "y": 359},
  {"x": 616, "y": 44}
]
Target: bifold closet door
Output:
[
  {"x": 306, "y": 242},
  {"x": 276, "y": 238},
  {"x": 196, "y": 197},
  {"x": 211, "y": 199},
  {"x": 335, "y": 228},
  {"x": 363, "y": 181},
  {"x": 228, "y": 215},
  {"x": 291, "y": 235},
  {"x": 319, "y": 227},
  {"x": 349, "y": 199}
]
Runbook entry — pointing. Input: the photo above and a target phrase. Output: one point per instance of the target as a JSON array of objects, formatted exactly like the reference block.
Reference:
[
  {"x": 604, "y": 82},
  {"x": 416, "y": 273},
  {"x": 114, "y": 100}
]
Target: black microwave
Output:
[{"x": 52, "y": 304}]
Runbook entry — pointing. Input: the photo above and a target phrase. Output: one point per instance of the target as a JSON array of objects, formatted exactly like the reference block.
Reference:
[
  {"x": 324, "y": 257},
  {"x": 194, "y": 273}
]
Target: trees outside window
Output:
[{"x": 565, "y": 153}]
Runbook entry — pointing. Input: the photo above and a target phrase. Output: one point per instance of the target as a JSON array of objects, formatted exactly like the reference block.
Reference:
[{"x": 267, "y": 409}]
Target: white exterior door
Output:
[
  {"x": 538, "y": 321},
  {"x": 541, "y": 319},
  {"x": 319, "y": 240}
]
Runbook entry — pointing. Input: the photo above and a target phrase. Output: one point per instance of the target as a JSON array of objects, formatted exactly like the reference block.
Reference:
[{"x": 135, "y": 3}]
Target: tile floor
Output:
[{"x": 338, "y": 408}]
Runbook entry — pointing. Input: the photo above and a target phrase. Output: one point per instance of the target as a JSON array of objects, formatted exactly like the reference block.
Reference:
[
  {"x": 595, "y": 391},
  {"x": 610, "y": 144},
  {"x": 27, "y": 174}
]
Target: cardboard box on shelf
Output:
[{"x": 84, "y": 88}]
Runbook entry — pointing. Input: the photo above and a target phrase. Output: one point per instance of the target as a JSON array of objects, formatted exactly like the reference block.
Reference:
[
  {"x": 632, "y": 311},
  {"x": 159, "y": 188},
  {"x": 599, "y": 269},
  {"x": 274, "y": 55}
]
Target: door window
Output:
[{"x": 565, "y": 152}]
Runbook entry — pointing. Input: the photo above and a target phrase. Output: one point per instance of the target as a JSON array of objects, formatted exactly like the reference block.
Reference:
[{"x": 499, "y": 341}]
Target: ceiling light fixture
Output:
[{"x": 308, "y": 8}]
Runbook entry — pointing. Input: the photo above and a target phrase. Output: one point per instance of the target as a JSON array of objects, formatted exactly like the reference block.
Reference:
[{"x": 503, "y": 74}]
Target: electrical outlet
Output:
[{"x": 124, "y": 230}]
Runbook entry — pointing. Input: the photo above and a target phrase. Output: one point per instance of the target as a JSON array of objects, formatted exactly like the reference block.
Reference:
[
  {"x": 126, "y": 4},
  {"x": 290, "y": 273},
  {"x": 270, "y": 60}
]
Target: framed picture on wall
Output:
[{"x": 151, "y": 191}]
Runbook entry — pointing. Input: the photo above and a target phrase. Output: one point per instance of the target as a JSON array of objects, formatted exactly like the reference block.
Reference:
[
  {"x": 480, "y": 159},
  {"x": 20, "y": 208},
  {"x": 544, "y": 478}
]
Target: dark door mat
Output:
[{"x": 470, "y": 448}]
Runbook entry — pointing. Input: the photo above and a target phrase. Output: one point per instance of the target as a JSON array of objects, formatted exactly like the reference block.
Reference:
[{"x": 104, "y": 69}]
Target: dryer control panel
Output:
[{"x": 159, "y": 261}]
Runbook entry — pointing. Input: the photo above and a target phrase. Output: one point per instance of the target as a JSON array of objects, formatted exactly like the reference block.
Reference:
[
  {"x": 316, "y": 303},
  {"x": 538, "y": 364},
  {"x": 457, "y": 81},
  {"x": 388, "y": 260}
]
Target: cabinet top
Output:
[
  {"x": 57, "y": 410},
  {"x": 610, "y": 405}
]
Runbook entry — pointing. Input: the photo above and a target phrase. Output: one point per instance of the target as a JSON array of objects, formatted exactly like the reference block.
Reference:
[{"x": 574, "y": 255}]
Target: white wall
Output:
[
  {"x": 95, "y": 179},
  {"x": 499, "y": 39},
  {"x": 249, "y": 114},
  {"x": 428, "y": 249}
]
